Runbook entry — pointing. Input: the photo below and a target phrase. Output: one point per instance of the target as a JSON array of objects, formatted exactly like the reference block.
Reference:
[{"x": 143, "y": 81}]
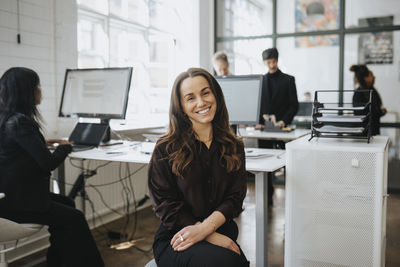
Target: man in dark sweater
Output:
[{"x": 279, "y": 98}]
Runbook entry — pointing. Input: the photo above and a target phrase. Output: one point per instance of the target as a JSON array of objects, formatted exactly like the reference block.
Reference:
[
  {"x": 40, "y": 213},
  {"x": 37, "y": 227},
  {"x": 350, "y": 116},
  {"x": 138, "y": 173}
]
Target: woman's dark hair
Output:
[
  {"x": 180, "y": 138},
  {"x": 18, "y": 89},
  {"x": 360, "y": 73}
]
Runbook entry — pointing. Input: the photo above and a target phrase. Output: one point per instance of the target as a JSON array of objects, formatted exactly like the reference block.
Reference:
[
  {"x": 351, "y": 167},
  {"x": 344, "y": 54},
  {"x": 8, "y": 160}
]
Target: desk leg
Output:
[
  {"x": 262, "y": 219},
  {"x": 83, "y": 195}
]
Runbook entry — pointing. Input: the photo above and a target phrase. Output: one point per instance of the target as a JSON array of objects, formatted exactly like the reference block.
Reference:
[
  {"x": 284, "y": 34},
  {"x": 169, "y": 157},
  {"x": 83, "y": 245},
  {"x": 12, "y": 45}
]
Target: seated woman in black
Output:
[
  {"x": 197, "y": 178},
  {"x": 365, "y": 79},
  {"x": 25, "y": 165}
]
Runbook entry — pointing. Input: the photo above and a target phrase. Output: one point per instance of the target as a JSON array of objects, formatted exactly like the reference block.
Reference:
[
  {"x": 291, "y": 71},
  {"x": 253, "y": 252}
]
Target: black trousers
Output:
[
  {"x": 71, "y": 242},
  {"x": 201, "y": 254}
]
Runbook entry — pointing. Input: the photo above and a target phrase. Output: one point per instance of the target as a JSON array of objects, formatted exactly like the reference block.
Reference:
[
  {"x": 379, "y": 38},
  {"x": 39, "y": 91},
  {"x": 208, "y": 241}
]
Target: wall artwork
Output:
[
  {"x": 316, "y": 15},
  {"x": 375, "y": 48}
]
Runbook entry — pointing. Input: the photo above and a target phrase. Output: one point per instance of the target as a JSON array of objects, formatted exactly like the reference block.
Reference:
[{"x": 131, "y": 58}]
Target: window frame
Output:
[
  {"x": 342, "y": 32},
  {"x": 111, "y": 21}
]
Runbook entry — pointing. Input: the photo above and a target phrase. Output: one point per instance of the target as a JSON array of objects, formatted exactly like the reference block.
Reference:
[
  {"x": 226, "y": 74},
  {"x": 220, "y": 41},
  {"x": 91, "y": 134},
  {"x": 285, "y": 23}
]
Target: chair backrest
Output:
[{"x": 10, "y": 231}]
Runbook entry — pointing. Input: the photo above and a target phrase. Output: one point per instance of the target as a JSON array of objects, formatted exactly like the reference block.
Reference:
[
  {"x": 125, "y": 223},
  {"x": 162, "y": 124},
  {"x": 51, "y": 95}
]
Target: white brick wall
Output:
[
  {"x": 48, "y": 46},
  {"x": 48, "y": 31}
]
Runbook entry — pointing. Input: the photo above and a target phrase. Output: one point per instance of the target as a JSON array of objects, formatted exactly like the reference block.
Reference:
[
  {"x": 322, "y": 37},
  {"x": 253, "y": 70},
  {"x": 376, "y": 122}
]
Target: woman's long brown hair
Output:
[{"x": 180, "y": 138}]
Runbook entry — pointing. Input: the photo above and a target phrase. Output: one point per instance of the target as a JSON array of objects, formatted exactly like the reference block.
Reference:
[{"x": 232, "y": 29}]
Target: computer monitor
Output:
[
  {"x": 304, "y": 113},
  {"x": 242, "y": 97},
  {"x": 305, "y": 109},
  {"x": 96, "y": 93}
]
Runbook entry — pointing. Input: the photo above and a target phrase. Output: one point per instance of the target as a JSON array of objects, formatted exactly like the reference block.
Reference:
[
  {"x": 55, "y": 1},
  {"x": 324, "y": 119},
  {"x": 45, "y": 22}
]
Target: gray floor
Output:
[{"x": 148, "y": 224}]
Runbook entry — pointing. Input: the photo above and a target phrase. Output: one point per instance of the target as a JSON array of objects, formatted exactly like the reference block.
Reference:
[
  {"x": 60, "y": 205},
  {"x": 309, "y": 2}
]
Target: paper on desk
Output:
[
  {"x": 254, "y": 154},
  {"x": 342, "y": 108},
  {"x": 335, "y": 129},
  {"x": 336, "y": 118},
  {"x": 147, "y": 147}
]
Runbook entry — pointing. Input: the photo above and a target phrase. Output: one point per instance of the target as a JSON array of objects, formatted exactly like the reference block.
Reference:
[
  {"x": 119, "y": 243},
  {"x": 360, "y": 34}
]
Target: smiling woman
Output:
[{"x": 197, "y": 178}]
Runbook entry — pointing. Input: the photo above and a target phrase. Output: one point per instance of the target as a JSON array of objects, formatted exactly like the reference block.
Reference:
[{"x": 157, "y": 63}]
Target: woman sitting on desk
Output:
[
  {"x": 25, "y": 165},
  {"x": 197, "y": 178}
]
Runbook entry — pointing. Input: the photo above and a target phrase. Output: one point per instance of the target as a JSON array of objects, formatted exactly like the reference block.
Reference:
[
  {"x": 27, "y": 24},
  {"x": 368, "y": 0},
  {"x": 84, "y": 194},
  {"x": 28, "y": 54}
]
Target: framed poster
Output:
[
  {"x": 316, "y": 15},
  {"x": 375, "y": 48}
]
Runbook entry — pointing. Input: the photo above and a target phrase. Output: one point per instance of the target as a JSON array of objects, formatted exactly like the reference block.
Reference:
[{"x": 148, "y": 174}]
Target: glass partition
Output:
[
  {"x": 314, "y": 68},
  {"x": 359, "y": 10},
  {"x": 387, "y": 75},
  {"x": 307, "y": 15},
  {"x": 244, "y": 18},
  {"x": 245, "y": 55}
]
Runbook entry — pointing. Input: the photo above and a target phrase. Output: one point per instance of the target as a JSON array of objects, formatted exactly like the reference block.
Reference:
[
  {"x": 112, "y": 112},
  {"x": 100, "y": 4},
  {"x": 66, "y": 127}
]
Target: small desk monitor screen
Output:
[
  {"x": 242, "y": 97},
  {"x": 305, "y": 109},
  {"x": 96, "y": 93}
]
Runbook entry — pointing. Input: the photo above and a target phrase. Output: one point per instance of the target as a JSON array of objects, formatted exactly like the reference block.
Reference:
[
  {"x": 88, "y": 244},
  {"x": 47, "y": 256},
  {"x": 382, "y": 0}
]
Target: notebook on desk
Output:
[
  {"x": 256, "y": 154},
  {"x": 86, "y": 135}
]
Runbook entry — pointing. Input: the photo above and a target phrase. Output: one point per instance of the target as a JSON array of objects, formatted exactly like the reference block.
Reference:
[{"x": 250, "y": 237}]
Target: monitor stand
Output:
[{"x": 107, "y": 136}]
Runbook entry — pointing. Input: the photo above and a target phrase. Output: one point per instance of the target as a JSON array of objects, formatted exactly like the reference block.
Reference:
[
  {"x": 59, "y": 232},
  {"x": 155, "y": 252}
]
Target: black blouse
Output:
[
  {"x": 206, "y": 187},
  {"x": 25, "y": 165},
  {"x": 362, "y": 98}
]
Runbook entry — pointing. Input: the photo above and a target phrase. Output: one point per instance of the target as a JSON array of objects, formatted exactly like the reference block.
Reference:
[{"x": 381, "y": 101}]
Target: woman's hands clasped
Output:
[{"x": 190, "y": 235}]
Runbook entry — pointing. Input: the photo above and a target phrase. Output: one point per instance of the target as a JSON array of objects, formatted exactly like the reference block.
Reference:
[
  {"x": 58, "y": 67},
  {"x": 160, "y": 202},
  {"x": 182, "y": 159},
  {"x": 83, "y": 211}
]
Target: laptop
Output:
[{"x": 87, "y": 135}]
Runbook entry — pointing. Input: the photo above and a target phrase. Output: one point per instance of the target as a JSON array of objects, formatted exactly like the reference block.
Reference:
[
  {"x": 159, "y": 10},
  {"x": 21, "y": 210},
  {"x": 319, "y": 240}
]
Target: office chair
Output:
[
  {"x": 11, "y": 232},
  {"x": 151, "y": 263}
]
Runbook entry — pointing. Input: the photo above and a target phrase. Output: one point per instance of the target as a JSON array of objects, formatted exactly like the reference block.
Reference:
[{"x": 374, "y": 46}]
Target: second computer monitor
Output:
[{"x": 242, "y": 97}]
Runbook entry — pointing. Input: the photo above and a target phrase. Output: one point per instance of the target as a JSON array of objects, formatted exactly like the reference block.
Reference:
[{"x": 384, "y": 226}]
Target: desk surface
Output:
[
  {"x": 127, "y": 152},
  {"x": 282, "y": 136},
  {"x": 131, "y": 152}
]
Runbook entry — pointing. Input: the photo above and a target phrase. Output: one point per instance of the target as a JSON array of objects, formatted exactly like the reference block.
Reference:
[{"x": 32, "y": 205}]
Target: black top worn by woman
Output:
[
  {"x": 25, "y": 165},
  {"x": 206, "y": 186},
  {"x": 362, "y": 98}
]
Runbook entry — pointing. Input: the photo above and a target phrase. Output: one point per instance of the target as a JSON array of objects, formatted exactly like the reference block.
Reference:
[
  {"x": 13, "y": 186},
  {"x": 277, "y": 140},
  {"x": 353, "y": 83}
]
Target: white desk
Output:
[
  {"x": 261, "y": 167},
  {"x": 281, "y": 136}
]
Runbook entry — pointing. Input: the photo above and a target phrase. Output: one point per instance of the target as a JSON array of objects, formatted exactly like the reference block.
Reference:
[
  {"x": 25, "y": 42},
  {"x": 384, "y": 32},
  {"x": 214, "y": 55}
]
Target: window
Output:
[
  {"x": 361, "y": 9},
  {"x": 314, "y": 68},
  {"x": 245, "y": 56},
  {"x": 92, "y": 42},
  {"x": 132, "y": 10},
  {"x": 313, "y": 44},
  {"x": 307, "y": 15},
  {"x": 142, "y": 34},
  {"x": 387, "y": 76},
  {"x": 100, "y": 6},
  {"x": 244, "y": 18}
]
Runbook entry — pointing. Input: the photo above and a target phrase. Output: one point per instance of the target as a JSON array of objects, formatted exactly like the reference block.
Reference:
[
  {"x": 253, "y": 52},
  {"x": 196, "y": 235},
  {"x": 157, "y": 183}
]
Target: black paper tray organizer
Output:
[{"x": 330, "y": 120}]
